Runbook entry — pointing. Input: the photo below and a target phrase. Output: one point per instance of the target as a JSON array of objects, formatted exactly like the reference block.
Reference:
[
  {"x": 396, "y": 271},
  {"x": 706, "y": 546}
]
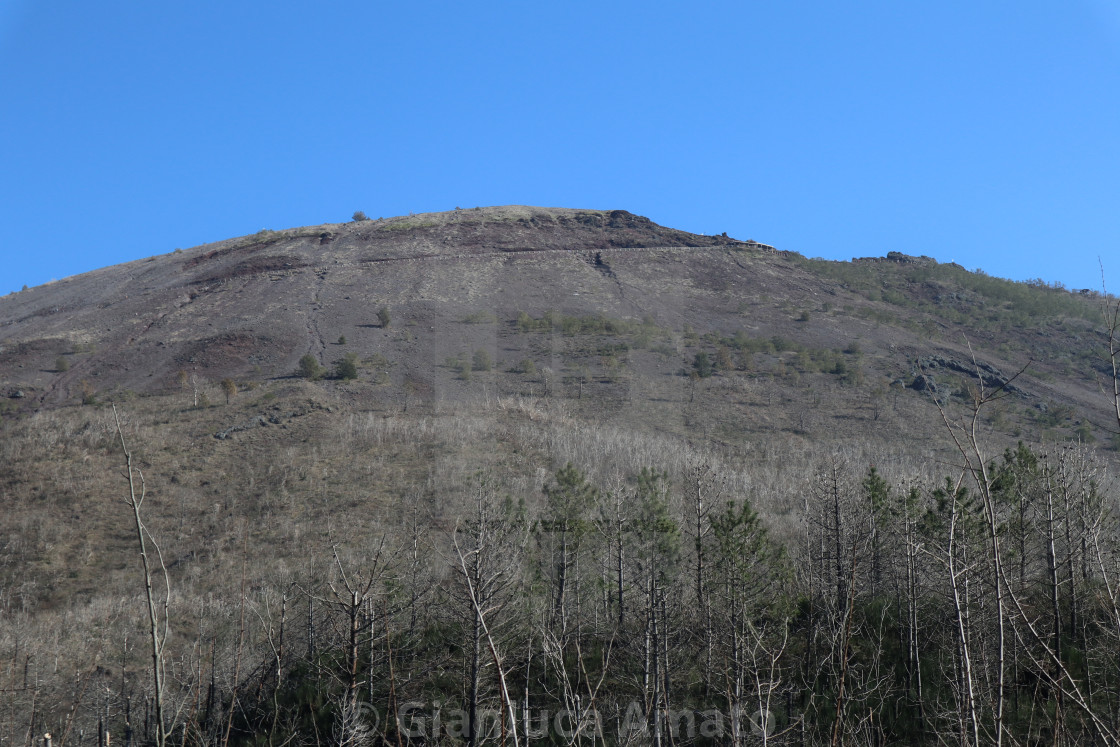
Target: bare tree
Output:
[
  {"x": 1112, "y": 320},
  {"x": 966, "y": 438},
  {"x": 158, "y": 604},
  {"x": 351, "y": 594},
  {"x": 350, "y": 727},
  {"x": 706, "y": 486},
  {"x": 488, "y": 550}
]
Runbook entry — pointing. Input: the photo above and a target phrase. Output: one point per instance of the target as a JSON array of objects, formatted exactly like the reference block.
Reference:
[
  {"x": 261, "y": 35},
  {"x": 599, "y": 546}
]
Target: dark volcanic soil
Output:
[{"x": 454, "y": 283}]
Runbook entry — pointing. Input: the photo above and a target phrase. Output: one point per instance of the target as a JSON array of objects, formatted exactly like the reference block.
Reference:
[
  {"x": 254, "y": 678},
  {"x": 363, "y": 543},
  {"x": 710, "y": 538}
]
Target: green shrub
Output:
[
  {"x": 346, "y": 368},
  {"x": 481, "y": 360},
  {"x": 1084, "y": 434},
  {"x": 461, "y": 364},
  {"x": 309, "y": 368},
  {"x": 524, "y": 321},
  {"x": 482, "y": 317},
  {"x": 702, "y": 365}
]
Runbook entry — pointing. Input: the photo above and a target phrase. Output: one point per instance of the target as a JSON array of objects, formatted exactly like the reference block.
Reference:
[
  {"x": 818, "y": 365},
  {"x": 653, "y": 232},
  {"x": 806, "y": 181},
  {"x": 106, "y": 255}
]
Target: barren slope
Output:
[{"x": 838, "y": 344}]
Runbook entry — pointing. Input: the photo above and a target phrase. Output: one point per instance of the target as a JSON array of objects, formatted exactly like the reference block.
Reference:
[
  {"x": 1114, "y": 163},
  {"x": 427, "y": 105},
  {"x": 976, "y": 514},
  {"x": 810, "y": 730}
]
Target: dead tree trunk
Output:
[{"x": 159, "y": 622}]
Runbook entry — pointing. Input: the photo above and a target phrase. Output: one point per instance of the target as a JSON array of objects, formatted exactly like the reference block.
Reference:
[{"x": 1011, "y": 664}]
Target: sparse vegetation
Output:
[
  {"x": 592, "y": 324},
  {"x": 702, "y": 365},
  {"x": 480, "y": 317},
  {"x": 480, "y": 361},
  {"x": 310, "y": 368},
  {"x": 460, "y": 364},
  {"x": 346, "y": 367},
  {"x": 380, "y": 366},
  {"x": 723, "y": 361}
]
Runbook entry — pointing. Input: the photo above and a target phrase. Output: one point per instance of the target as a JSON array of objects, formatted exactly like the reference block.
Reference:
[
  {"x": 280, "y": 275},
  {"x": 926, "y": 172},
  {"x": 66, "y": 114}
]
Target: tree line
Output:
[{"x": 656, "y": 608}]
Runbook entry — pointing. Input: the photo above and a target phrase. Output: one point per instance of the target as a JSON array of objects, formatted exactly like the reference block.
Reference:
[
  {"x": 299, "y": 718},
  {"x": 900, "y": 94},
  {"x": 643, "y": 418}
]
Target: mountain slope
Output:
[
  {"x": 250, "y": 308},
  {"x": 483, "y": 352}
]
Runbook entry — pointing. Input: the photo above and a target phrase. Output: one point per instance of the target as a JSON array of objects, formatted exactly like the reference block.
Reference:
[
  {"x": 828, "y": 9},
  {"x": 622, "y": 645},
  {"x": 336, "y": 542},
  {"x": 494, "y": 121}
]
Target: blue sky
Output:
[{"x": 982, "y": 133}]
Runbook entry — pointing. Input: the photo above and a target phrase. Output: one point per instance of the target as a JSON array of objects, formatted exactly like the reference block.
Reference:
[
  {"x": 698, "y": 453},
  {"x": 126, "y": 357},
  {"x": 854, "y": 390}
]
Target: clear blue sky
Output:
[{"x": 986, "y": 133}]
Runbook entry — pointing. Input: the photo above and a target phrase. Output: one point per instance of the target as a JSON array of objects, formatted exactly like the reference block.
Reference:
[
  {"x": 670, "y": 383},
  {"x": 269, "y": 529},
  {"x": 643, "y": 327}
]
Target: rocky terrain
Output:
[{"x": 454, "y": 283}]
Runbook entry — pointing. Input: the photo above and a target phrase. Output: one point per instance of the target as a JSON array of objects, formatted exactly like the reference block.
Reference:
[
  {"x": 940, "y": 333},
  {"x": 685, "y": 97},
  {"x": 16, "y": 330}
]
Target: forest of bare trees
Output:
[
  {"x": 654, "y": 609},
  {"x": 640, "y": 601}
]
